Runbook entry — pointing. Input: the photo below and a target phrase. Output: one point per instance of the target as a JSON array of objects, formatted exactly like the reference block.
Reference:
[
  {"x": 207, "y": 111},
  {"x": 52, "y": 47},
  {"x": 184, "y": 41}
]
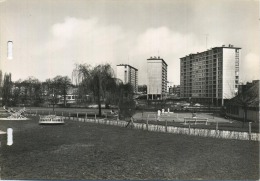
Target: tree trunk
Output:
[
  {"x": 64, "y": 101},
  {"x": 245, "y": 116},
  {"x": 99, "y": 92},
  {"x": 64, "y": 98}
]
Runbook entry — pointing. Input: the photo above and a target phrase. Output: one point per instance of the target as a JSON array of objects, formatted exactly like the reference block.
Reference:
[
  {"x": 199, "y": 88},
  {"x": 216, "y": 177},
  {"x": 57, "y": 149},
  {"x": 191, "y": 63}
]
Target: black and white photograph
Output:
[{"x": 129, "y": 89}]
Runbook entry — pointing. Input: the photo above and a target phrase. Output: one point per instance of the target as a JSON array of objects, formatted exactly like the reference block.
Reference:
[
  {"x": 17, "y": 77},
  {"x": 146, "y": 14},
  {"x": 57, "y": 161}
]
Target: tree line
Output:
[{"x": 94, "y": 85}]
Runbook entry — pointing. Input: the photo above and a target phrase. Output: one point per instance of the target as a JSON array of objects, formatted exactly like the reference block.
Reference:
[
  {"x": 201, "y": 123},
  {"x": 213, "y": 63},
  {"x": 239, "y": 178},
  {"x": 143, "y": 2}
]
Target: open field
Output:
[{"x": 80, "y": 150}]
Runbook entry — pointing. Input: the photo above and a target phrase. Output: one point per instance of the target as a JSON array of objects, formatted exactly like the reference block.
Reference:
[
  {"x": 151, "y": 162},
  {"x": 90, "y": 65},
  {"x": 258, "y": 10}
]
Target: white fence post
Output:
[
  {"x": 249, "y": 131},
  {"x": 147, "y": 123},
  {"x": 217, "y": 129},
  {"x": 166, "y": 130},
  {"x": 9, "y": 136}
]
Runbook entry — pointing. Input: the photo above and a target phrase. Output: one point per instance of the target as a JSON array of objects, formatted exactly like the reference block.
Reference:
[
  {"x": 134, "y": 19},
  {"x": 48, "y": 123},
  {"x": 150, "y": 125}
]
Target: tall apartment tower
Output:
[
  {"x": 157, "y": 78},
  {"x": 210, "y": 76},
  {"x": 128, "y": 74}
]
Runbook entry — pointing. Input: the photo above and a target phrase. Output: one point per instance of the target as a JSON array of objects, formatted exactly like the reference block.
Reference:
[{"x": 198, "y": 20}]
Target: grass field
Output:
[{"x": 80, "y": 150}]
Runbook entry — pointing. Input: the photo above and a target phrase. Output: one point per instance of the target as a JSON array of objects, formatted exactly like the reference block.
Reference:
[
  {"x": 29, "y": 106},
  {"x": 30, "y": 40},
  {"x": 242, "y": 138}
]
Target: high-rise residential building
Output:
[
  {"x": 128, "y": 74},
  {"x": 157, "y": 78},
  {"x": 211, "y": 76}
]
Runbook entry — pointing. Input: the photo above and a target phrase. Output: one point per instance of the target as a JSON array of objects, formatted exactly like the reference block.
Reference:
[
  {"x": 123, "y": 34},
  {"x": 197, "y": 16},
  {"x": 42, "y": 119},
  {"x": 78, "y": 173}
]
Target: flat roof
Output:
[
  {"x": 128, "y": 66},
  {"x": 223, "y": 46},
  {"x": 157, "y": 58}
]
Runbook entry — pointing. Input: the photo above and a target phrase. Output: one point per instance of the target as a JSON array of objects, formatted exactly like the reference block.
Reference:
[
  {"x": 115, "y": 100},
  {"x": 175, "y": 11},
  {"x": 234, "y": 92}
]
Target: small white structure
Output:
[
  {"x": 9, "y": 136},
  {"x": 10, "y": 50},
  {"x": 51, "y": 119},
  {"x": 159, "y": 113}
]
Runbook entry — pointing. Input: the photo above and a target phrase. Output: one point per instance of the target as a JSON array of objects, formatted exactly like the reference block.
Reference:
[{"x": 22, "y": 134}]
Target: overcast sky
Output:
[{"x": 50, "y": 36}]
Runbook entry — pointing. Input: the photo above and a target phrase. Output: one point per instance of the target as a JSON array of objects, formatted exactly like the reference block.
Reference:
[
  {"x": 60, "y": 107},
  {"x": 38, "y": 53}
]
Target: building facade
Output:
[
  {"x": 175, "y": 90},
  {"x": 169, "y": 87},
  {"x": 128, "y": 74},
  {"x": 157, "y": 78},
  {"x": 210, "y": 76}
]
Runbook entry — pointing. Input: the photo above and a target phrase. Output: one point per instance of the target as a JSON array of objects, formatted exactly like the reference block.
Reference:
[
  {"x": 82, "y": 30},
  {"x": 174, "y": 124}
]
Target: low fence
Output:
[
  {"x": 99, "y": 121},
  {"x": 176, "y": 130}
]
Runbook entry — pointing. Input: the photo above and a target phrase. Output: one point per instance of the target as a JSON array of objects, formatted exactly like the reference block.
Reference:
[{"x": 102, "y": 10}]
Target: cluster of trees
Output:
[
  {"x": 98, "y": 82},
  {"x": 31, "y": 91}
]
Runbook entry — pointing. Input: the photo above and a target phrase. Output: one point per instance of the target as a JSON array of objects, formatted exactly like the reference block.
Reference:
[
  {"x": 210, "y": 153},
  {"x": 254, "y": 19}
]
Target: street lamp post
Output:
[{"x": 53, "y": 100}]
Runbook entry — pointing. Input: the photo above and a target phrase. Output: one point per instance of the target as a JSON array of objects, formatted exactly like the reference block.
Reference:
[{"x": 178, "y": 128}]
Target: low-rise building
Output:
[{"x": 245, "y": 104}]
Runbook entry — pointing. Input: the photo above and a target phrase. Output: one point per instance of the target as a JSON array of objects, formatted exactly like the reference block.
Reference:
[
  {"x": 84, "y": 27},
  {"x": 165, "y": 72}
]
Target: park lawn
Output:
[{"x": 80, "y": 150}]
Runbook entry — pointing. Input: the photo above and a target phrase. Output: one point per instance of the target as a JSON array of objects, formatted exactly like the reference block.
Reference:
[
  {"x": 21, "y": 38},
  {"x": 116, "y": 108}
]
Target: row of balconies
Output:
[
  {"x": 200, "y": 66},
  {"x": 202, "y": 81},
  {"x": 202, "y": 95},
  {"x": 206, "y": 86},
  {"x": 205, "y": 67},
  {"x": 202, "y": 77},
  {"x": 202, "y": 55},
  {"x": 205, "y": 92},
  {"x": 203, "y": 88},
  {"x": 201, "y": 59},
  {"x": 187, "y": 83}
]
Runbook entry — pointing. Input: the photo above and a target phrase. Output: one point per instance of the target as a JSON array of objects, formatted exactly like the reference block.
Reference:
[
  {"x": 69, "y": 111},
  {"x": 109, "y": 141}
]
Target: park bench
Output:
[
  {"x": 51, "y": 119},
  {"x": 195, "y": 120}
]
